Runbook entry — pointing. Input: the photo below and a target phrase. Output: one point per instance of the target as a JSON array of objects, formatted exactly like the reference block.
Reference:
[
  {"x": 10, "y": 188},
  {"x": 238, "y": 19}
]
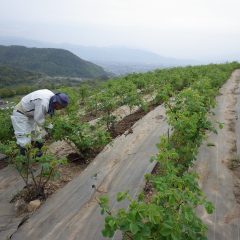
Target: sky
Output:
[{"x": 193, "y": 29}]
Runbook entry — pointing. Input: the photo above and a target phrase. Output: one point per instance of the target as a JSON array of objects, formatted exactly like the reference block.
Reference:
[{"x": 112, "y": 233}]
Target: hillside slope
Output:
[
  {"x": 50, "y": 61},
  {"x": 10, "y": 76}
]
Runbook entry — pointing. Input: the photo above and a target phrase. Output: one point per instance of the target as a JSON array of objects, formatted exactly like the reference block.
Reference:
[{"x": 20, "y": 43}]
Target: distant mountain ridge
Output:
[
  {"x": 123, "y": 55},
  {"x": 115, "y": 59},
  {"x": 49, "y": 61}
]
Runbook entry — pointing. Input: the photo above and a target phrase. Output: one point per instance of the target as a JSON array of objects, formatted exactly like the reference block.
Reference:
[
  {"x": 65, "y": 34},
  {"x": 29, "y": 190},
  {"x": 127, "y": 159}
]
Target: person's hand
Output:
[{"x": 50, "y": 126}]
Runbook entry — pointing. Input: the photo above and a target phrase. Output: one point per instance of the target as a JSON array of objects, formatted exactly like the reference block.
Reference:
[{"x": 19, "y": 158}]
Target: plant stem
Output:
[
  {"x": 33, "y": 178},
  {"x": 40, "y": 181},
  {"x": 49, "y": 176}
]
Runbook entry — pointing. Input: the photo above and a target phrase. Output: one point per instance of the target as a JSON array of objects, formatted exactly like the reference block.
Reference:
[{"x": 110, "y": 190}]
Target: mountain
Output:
[
  {"x": 119, "y": 60},
  {"x": 123, "y": 55},
  {"x": 49, "y": 61},
  {"x": 122, "y": 60}
]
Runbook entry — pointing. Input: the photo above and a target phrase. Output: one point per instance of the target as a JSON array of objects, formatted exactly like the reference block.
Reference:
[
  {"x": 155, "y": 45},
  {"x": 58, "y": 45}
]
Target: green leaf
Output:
[
  {"x": 209, "y": 207},
  {"x": 121, "y": 196},
  {"x": 134, "y": 228},
  {"x": 107, "y": 233}
]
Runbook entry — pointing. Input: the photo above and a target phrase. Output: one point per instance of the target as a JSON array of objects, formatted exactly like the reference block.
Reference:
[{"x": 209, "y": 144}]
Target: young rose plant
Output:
[{"x": 35, "y": 171}]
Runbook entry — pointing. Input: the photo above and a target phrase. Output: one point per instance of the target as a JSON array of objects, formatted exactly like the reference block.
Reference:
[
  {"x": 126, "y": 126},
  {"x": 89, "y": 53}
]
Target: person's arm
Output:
[{"x": 40, "y": 112}]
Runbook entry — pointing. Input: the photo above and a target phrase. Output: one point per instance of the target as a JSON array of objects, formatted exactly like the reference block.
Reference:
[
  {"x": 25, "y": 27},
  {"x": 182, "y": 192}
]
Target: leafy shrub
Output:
[{"x": 6, "y": 129}]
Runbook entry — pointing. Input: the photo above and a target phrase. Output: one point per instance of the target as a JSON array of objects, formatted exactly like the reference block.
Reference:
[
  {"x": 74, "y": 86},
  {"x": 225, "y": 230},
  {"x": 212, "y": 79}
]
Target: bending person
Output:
[{"x": 29, "y": 115}]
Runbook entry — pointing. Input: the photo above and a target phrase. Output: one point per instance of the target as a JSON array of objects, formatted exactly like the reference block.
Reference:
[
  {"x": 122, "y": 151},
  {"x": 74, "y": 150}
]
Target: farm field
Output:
[{"x": 189, "y": 126}]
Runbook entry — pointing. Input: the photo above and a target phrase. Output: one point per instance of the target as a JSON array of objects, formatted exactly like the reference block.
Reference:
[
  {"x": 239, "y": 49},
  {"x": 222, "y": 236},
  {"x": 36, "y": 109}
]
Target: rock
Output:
[
  {"x": 34, "y": 205},
  {"x": 61, "y": 148}
]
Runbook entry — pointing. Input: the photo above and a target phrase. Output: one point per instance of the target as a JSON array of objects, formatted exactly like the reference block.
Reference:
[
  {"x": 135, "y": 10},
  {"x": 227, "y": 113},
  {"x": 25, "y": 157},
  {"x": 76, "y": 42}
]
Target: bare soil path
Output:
[{"x": 219, "y": 166}]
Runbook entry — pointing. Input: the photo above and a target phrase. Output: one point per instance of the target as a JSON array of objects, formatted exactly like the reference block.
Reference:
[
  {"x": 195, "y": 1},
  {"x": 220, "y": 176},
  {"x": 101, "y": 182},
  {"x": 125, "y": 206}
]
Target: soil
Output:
[
  {"x": 89, "y": 117},
  {"x": 3, "y": 163},
  {"x": 126, "y": 123},
  {"x": 148, "y": 188},
  {"x": 28, "y": 194}
]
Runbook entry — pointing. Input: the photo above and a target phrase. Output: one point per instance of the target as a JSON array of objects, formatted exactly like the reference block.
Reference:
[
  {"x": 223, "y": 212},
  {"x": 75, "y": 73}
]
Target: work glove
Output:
[{"x": 50, "y": 126}]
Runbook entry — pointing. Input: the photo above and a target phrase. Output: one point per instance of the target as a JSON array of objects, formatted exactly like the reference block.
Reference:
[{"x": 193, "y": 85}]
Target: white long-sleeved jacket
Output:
[{"x": 36, "y": 105}]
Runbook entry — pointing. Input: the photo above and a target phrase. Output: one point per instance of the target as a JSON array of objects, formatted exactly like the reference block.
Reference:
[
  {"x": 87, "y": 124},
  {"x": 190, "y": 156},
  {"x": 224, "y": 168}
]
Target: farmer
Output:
[{"x": 29, "y": 116}]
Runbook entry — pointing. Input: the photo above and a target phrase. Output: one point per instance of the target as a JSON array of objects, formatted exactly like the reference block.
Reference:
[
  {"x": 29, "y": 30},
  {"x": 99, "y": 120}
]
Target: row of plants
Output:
[
  {"x": 169, "y": 213},
  {"x": 129, "y": 90}
]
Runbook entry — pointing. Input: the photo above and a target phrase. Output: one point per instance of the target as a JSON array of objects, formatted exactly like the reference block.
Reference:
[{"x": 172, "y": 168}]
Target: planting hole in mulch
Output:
[
  {"x": 84, "y": 158},
  {"x": 3, "y": 161},
  {"x": 27, "y": 194},
  {"x": 3, "y": 164},
  {"x": 77, "y": 158}
]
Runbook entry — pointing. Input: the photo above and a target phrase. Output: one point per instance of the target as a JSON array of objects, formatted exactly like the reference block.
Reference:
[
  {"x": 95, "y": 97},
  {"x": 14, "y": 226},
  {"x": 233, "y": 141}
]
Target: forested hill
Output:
[
  {"x": 11, "y": 76},
  {"x": 50, "y": 61}
]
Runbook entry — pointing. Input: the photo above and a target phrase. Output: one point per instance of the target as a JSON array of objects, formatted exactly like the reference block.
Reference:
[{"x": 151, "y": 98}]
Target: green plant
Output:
[
  {"x": 27, "y": 166},
  {"x": 170, "y": 215},
  {"x": 87, "y": 138},
  {"x": 107, "y": 103},
  {"x": 6, "y": 129},
  {"x": 170, "y": 211}
]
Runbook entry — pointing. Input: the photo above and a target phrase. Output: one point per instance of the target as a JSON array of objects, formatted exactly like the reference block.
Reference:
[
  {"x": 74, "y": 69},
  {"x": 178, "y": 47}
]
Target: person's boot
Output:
[{"x": 22, "y": 151}]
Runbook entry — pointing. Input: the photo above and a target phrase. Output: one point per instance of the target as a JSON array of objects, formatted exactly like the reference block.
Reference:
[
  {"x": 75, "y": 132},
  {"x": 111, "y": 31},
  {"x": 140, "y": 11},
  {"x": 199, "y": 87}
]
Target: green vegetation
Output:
[
  {"x": 170, "y": 212},
  {"x": 188, "y": 94},
  {"x": 6, "y": 129},
  {"x": 87, "y": 138},
  {"x": 15, "y": 81},
  {"x": 26, "y": 166},
  {"x": 10, "y": 76},
  {"x": 100, "y": 101},
  {"x": 49, "y": 61}
]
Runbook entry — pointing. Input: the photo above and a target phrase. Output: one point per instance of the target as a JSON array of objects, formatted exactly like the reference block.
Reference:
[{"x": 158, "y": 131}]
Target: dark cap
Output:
[{"x": 62, "y": 99}]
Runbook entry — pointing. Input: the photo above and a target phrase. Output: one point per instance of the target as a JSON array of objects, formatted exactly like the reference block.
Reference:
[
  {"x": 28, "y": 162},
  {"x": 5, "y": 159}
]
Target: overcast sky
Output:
[{"x": 196, "y": 29}]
